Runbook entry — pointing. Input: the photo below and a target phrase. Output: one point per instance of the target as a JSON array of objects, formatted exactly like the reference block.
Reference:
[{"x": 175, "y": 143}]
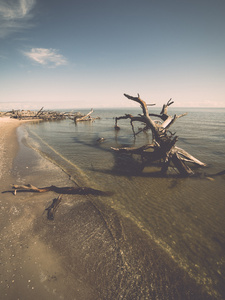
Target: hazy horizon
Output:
[{"x": 19, "y": 106}]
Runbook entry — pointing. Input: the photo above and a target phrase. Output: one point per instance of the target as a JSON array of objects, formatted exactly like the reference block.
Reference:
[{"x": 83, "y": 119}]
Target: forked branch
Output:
[{"x": 163, "y": 141}]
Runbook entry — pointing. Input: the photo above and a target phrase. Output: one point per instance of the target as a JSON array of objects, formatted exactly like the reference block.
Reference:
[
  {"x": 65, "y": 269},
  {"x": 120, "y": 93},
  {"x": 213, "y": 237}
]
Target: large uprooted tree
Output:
[{"x": 162, "y": 148}]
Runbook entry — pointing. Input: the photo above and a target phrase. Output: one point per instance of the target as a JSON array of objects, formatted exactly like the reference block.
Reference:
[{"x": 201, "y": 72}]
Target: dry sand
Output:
[{"x": 88, "y": 252}]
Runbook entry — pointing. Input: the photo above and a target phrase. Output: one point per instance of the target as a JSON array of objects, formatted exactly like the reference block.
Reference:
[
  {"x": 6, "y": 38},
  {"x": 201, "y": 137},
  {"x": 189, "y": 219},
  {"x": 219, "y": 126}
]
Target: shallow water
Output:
[{"x": 184, "y": 216}]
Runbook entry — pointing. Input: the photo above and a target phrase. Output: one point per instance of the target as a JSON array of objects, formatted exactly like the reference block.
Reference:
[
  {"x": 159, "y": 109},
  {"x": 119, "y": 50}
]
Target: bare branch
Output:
[
  {"x": 146, "y": 118},
  {"x": 163, "y": 145},
  {"x": 165, "y": 107}
]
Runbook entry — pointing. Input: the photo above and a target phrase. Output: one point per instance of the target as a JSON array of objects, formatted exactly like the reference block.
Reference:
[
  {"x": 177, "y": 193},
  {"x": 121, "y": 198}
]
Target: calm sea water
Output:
[{"x": 184, "y": 216}]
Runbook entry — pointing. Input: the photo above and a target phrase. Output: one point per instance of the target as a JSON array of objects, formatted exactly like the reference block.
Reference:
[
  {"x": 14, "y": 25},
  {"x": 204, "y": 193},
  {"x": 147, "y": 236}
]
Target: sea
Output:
[{"x": 185, "y": 217}]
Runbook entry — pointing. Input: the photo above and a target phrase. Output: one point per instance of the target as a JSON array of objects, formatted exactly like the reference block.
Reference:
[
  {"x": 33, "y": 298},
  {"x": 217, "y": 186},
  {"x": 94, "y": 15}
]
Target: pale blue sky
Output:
[{"x": 88, "y": 53}]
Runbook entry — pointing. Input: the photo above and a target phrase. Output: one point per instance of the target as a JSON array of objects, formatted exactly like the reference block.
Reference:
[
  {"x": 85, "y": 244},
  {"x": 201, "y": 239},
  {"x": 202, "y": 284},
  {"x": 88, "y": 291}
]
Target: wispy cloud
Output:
[
  {"x": 46, "y": 57},
  {"x": 15, "y": 15}
]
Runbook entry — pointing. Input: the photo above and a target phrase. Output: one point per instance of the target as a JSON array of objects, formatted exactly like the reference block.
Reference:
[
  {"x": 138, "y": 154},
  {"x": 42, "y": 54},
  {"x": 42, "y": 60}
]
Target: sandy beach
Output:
[
  {"x": 87, "y": 252},
  {"x": 8, "y": 145},
  {"x": 29, "y": 268}
]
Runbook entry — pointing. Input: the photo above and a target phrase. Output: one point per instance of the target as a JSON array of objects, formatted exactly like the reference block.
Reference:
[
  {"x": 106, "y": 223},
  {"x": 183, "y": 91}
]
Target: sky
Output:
[{"x": 86, "y": 53}]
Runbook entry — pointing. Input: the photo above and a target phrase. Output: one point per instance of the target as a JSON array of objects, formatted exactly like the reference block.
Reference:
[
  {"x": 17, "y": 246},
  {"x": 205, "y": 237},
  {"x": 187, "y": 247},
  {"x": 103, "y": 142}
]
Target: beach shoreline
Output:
[
  {"x": 29, "y": 267},
  {"x": 88, "y": 252},
  {"x": 9, "y": 145}
]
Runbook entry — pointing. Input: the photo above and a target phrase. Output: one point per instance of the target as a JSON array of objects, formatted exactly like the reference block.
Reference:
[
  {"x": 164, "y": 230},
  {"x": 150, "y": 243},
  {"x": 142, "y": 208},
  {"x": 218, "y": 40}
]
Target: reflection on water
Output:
[{"x": 185, "y": 217}]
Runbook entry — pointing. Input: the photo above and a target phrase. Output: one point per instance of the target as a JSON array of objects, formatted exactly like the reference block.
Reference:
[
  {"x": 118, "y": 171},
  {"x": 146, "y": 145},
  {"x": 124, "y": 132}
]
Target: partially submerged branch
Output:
[
  {"x": 80, "y": 118},
  {"x": 60, "y": 190},
  {"x": 51, "y": 209}
]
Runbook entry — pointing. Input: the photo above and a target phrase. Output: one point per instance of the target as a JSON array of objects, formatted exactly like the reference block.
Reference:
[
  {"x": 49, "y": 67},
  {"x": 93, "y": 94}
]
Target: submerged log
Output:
[
  {"x": 163, "y": 141},
  {"x": 51, "y": 209}
]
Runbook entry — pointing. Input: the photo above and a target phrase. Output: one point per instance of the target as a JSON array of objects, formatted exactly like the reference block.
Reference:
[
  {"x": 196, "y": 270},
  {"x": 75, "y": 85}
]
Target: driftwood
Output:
[
  {"x": 163, "y": 147},
  {"x": 81, "y": 118},
  {"x": 51, "y": 209},
  {"x": 60, "y": 190},
  {"x": 33, "y": 115},
  {"x": 47, "y": 115}
]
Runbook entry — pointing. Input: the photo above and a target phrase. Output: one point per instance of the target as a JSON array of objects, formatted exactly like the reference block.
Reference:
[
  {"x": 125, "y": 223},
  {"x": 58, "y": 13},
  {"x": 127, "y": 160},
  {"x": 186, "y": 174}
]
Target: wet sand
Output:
[
  {"x": 30, "y": 268},
  {"x": 88, "y": 252}
]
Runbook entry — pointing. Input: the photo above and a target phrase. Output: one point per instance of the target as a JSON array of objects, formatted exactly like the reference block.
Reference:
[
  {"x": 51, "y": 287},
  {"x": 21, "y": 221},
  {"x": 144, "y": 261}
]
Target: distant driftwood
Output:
[
  {"x": 80, "y": 118},
  {"x": 47, "y": 115}
]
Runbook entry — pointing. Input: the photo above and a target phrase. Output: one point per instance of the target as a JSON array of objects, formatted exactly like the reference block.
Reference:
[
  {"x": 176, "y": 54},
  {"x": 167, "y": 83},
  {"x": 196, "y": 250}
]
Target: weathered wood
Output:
[
  {"x": 163, "y": 141},
  {"x": 145, "y": 118},
  {"x": 84, "y": 117},
  {"x": 41, "y": 115},
  {"x": 180, "y": 165},
  {"x": 61, "y": 190},
  {"x": 185, "y": 156},
  {"x": 38, "y": 113},
  {"x": 87, "y": 117},
  {"x": 51, "y": 209},
  {"x": 165, "y": 107}
]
